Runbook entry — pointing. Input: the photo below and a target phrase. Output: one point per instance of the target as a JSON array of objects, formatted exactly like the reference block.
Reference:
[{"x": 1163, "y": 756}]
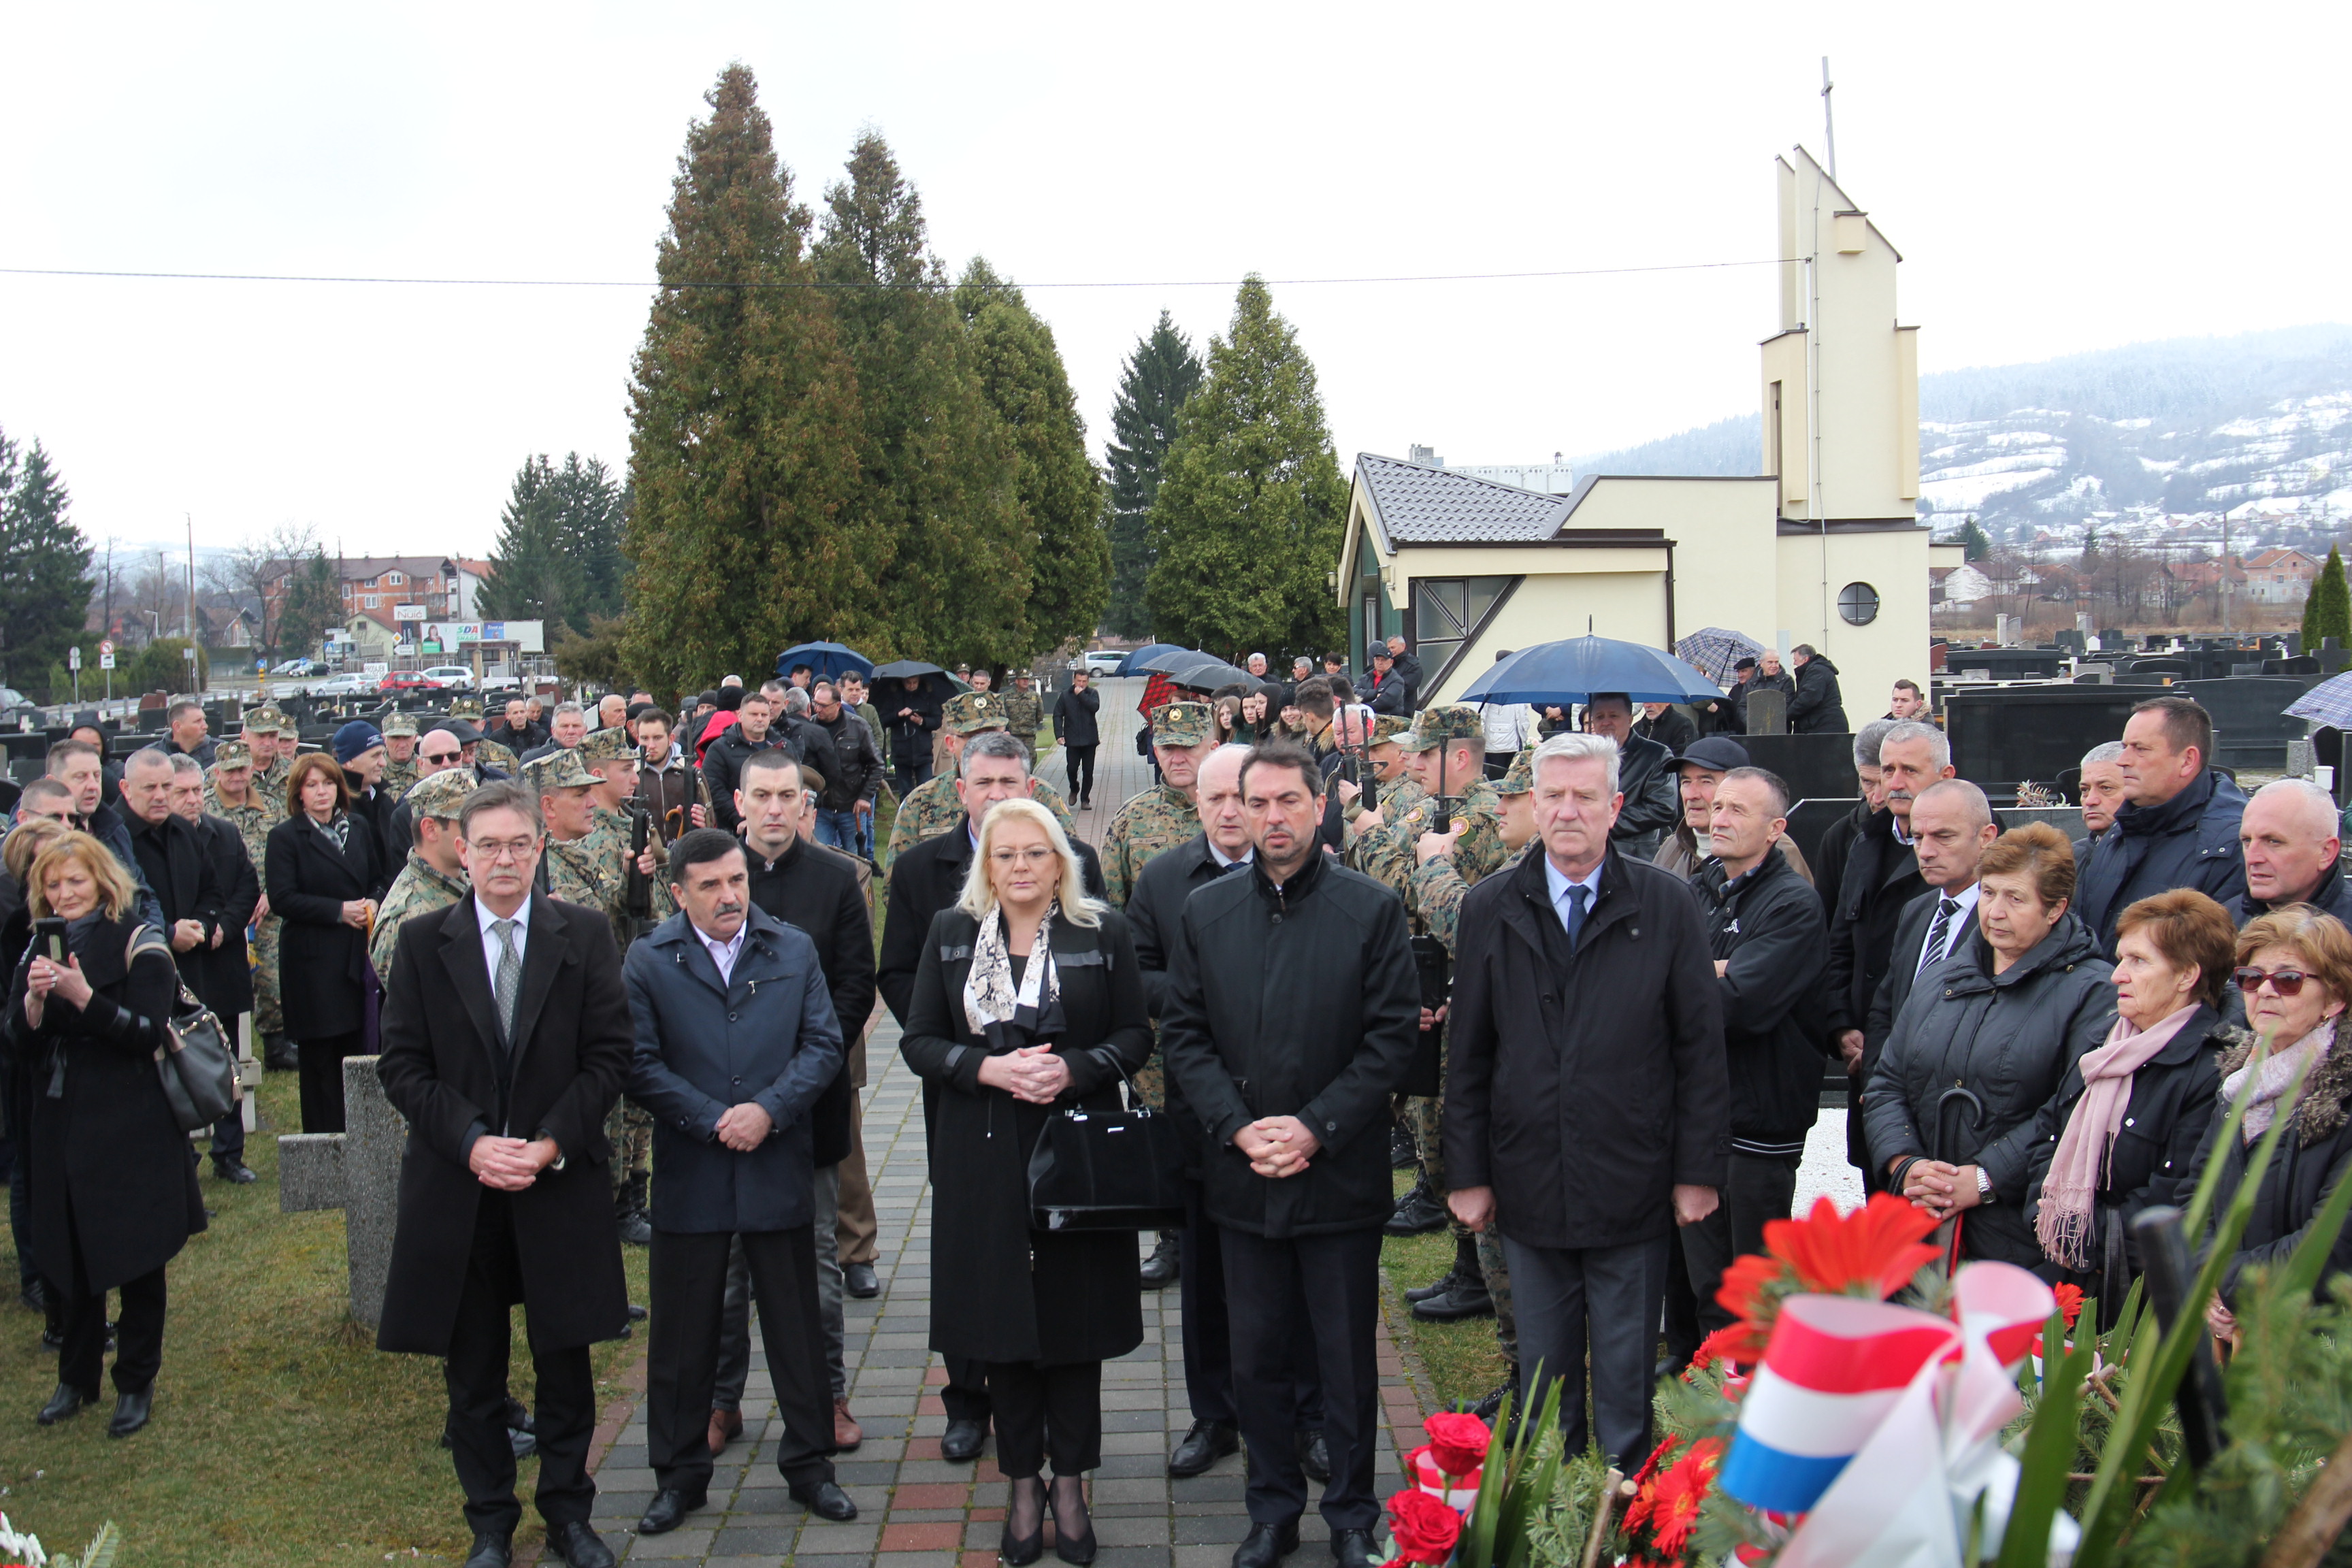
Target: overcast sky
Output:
[{"x": 2058, "y": 177}]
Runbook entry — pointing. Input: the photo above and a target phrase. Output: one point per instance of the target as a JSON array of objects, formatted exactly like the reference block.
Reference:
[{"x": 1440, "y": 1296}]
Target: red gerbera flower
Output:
[
  {"x": 1751, "y": 1291},
  {"x": 1680, "y": 1492},
  {"x": 2069, "y": 1301},
  {"x": 1729, "y": 1345},
  {"x": 1873, "y": 1251}
]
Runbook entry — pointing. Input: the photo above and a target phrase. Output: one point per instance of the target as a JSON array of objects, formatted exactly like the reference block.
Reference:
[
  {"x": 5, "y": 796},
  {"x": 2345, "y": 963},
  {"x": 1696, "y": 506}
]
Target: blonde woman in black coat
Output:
[
  {"x": 1027, "y": 1002},
  {"x": 114, "y": 1192}
]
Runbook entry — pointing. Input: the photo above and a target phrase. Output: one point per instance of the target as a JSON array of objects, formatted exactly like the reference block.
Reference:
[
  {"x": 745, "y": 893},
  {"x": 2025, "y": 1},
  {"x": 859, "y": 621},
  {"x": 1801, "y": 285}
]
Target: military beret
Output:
[
  {"x": 232, "y": 754},
  {"x": 264, "y": 721},
  {"x": 559, "y": 769},
  {"x": 400, "y": 725},
  {"x": 1181, "y": 724},
  {"x": 440, "y": 794},
  {"x": 1389, "y": 727},
  {"x": 609, "y": 745},
  {"x": 970, "y": 712},
  {"x": 1435, "y": 725},
  {"x": 1519, "y": 778}
]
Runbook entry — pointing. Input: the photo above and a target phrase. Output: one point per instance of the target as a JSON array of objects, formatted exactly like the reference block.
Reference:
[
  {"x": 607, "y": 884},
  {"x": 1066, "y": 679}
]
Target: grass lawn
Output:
[
  {"x": 280, "y": 1434},
  {"x": 1463, "y": 1359}
]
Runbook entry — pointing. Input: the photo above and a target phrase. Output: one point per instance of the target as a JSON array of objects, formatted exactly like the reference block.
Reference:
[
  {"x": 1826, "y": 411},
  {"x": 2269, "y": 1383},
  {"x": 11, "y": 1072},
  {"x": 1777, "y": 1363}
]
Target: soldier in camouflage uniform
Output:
[
  {"x": 273, "y": 741},
  {"x": 433, "y": 879},
  {"x": 1396, "y": 793},
  {"x": 489, "y": 752},
  {"x": 1025, "y": 711},
  {"x": 587, "y": 863},
  {"x": 1162, "y": 817},
  {"x": 400, "y": 756},
  {"x": 231, "y": 795},
  {"x": 934, "y": 806}
]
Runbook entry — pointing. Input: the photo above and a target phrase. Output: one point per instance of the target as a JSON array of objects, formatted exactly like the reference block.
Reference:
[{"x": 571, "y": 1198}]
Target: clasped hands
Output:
[
  {"x": 510, "y": 1164},
  {"x": 1941, "y": 1189},
  {"x": 1278, "y": 1146},
  {"x": 1032, "y": 1073}
]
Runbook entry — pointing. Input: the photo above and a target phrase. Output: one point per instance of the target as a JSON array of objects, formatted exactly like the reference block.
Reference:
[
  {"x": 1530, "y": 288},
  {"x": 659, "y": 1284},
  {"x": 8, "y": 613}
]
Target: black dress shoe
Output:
[
  {"x": 1352, "y": 1548},
  {"x": 66, "y": 1401},
  {"x": 1416, "y": 1213},
  {"x": 1020, "y": 1550},
  {"x": 576, "y": 1543},
  {"x": 859, "y": 1281},
  {"x": 1159, "y": 1269},
  {"x": 1265, "y": 1546},
  {"x": 234, "y": 1171},
  {"x": 1438, "y": 1287},
  {"x": 668, "y": 1510},
  {"x": 1076, "y": 1547},
  {"x": 637, "y": 1313},
  {"x": 491, "y": 1552},
  {"x": 1204, "y": 1445},
  {"x": 130, "y": 1412},
  {"x": 962, "y": 1440},
  {"x": 825, "y": 1500},
  {"x": 36, "y": 1296},
  {"x": 1468, "y": 1298},
  {"x": 524, "y": 1444},
  {"x": 1315, "y": 1456}
]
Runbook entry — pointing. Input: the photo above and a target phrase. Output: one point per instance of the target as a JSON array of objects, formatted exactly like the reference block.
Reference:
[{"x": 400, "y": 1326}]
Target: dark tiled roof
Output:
[{"x": 1422, "y": 505}]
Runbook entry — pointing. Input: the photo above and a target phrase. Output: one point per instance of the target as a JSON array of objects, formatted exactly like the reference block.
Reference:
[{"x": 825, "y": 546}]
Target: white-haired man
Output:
[{"x": 2291, "y": 836}]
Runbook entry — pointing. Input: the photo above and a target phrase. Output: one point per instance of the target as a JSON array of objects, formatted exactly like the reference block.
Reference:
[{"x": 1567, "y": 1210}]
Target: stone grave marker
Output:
[
  {"x": 356, "y": 1170},
  {"x": 1768, "y": 712}
]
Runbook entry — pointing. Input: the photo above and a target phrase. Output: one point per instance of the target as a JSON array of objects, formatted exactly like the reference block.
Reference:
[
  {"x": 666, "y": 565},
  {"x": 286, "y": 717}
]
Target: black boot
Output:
[
  {"x": 1466, "y": 1266},
  {"x": 1417, "y": 1213},
  {"x": 629, "y": 1205},
  {"x": 1159, "y": 1269},
  {"x": 279, "y": 1054},
  {"x": 1468, "y": 1298},
  {"x": 1402, "y": 1156}
]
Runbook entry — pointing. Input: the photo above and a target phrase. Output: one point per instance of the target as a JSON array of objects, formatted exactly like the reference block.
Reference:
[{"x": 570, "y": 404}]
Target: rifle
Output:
[{"x": 640, "y": 897}]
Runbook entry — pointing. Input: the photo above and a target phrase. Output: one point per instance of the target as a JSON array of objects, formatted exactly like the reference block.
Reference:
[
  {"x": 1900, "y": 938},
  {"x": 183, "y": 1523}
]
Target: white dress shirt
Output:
[
  {"x": 1967, "y": 902},
  {"x": 491, "y": 949},
  {"x": 1558, "y": 882},
  {"x": 722, "y": 954},
  {"x": 1223, "y": 864}
]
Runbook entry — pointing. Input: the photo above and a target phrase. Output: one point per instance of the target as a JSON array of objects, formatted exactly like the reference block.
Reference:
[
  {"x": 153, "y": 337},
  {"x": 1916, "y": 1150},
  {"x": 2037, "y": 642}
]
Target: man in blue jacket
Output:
[
  {"x": 2177, "y": 827},
  {"x": 736, "y": 1039}
]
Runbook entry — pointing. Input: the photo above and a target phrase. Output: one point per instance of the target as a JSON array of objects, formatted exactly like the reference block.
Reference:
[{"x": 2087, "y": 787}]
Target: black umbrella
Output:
[
  {"x": 1208, "y": 673},
  {"x": 936, "y": 682}
]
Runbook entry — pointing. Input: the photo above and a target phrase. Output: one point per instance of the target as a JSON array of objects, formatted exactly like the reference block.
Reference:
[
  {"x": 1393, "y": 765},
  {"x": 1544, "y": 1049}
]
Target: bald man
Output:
[{"x": 2290, "y": 835}]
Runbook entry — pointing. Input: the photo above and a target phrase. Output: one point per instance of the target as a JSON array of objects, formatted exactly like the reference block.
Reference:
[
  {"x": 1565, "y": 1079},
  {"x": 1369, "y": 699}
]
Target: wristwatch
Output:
[{"x": 1984, "y": 1186}]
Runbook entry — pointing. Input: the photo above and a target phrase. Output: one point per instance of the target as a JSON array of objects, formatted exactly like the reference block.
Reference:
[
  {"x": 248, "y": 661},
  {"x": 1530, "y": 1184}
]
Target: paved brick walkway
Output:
[{"x": 915, "y": 1509}]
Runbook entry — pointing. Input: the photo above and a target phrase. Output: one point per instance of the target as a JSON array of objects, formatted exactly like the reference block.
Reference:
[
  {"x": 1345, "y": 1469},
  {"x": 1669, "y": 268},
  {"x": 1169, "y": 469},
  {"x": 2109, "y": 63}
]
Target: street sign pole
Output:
[
  {"x": 106, "y": 663},
  {"x": 73, "y": 662}
]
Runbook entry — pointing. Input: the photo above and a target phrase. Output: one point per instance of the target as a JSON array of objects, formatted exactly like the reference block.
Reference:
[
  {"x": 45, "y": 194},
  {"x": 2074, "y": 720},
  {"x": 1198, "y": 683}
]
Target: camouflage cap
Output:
[
  {"x": 232, "y": 754},
  {"x": 400, "y": 725},
  {"x": 1519, "y": 778},
  {"x": 465, "y": 707},
  {"x": 970, "y": 712},
  {"x": 264, "y": 721},
  {"x": 1182, "y": 724},
  {"x": 440, "y": 794},
  {"x": 607, "y": 746},
  {"x": 1435, "y": 725},
  {"x": 559, "y": 769},
  {"x": 1389, "y": 728}
]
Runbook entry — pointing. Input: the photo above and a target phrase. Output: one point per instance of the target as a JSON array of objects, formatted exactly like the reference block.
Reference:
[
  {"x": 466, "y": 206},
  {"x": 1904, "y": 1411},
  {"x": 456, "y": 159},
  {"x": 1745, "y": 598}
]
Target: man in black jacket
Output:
[
  {"x": 845, "y": 816},
  {"x": 2177, "y": 827},
  {"x": 1587, "y": 1108},
  {"x": 1078, "y": 728},
  {"x": 809, "y": 742},
  {"x": 228, "y": 972},
  {"x": 1408, "y": 665},
  {"x": 171, "y": 857},
  {"x": 1764, "y": 926},
  {"x": 1817, "y": 709},
  {"x": 1952, "y": 825},
  {"x": 2290, "y": 837},
  {"x": 1290, "y": 1015},
  {"x": 1388, "y": 692},
  {"x": 1645, "y": 774},
  {"x": 82, "y": 768},
  {"x": 910, "y": 711},
  {"x": 1837, "y": 840},
  {"x": 924, "y": 881},
  {"x": 723, "y": 759}
]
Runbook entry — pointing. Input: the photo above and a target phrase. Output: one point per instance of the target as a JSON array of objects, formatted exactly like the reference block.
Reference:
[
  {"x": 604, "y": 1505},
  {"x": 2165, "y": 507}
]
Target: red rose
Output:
[
  {"x": 1424, "y": 1529},
  {"x": 1458, "y": 1443}
]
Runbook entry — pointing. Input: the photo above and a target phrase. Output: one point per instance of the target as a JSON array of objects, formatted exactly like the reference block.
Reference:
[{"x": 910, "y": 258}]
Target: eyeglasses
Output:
[
  {"x": 496, "y": 849},
  {"x": 1036, "y": 857},
  {"x": 2285, "y": 981}
]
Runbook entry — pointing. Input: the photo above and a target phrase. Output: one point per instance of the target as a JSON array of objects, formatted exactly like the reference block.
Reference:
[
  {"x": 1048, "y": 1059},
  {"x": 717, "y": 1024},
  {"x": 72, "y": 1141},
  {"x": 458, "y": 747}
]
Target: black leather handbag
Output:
[
  {"x": 1107, "y": 1170},
  {"x": 196, "y": 1061}
]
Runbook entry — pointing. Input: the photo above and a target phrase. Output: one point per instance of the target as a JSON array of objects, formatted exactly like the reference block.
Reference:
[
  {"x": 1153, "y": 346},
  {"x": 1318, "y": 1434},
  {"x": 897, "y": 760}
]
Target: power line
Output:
[{"x": 637, "y": 283}]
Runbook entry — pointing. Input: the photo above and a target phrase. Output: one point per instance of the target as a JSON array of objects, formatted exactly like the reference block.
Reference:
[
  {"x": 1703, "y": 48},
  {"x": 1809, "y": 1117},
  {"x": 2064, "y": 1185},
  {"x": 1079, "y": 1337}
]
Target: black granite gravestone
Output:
[
  {"x": 1811, "y": 765},
  {"x": 2007, "y": 735},
  {"x": 1809, "y": 820},
  {"x": 2249, "y": 721}
]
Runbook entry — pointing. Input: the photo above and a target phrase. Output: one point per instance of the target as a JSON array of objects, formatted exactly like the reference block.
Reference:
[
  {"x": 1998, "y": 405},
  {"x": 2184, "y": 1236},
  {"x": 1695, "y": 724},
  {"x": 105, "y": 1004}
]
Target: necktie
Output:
[
  {"x": 1945, "y": 911},
  {"x": 1574, "y": 922},
  {"x": 509, "y": 983}
]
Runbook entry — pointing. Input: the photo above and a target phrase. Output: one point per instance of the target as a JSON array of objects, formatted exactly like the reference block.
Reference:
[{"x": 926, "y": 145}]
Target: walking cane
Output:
[{"x": 1948, "y": 1236}]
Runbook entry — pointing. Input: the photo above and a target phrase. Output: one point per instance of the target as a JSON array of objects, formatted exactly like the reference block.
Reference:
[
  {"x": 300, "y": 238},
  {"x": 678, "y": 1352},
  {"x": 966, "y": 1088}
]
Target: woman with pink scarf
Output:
[
  {"x": 2124, "y": 1125},
  {"x": 2294, "y": 966}
]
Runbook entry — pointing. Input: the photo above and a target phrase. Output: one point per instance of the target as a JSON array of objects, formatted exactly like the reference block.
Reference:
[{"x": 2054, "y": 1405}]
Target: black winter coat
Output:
[
  {"x": 1671, "y": 728},
  {"x": 322, "y": 963},
  {"x": 1817, "y": 709},
  {"x": 1584, "y": 1087},
  {"x": 1076, "y": 721},
  {"x": 722, "y": 769},
  {"x": 1767, "y": 926},
  {"x": 227, "y": 989},
  {"x": 923, "y": 881},
  {"x": 1882, "y": 876},
  {"x": 1784, "y": 683},
  {"x": 1836, "y": 849},
  {"x": 2008, "y": 1038},
  {"x": 811, "y": 743},
  {"x": 442, "y": 1069},
  {"x": 1164, "y": 885},
  {"x": 815, "y": 889},
  {"x": 2313, "y": 1155},
  {"x": 910, "y": 738},
  {"x": 1293, "y": 1001},
  {"x": 107, "y": 825},
  {"x": 2164, "y": 1118},
  {"x": 1904, "y": 971},
  {"x": 2332, "y": 897},
  {"x": 2189, "y": 841},
  {"x": 1015, "y": 1293},
  {"x": 111, "y": 1171},
  {"x": 173, "y": 858},
  {"x": 1653, "y": 802},
  {"x": 859, "y": 755}
]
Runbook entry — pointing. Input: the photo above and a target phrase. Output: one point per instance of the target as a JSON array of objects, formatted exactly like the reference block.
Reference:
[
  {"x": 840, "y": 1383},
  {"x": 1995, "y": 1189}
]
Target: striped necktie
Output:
[{"x": 1937, "y": 933}]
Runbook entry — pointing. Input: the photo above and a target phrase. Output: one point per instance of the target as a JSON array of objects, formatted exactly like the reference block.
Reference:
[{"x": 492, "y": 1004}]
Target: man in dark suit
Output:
[
  {"x": 923, "y": 881},
  {"x": 171, "y": 857},
  {"x": 228, "y": 987},
  {"x": 505, "y": 1068},
  {"x": 1952, "y": 825},
  {"x": 736, "y": 1039}
]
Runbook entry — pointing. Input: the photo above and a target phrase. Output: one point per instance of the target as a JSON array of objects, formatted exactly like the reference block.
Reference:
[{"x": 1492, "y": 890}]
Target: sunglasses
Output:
[
  {"x": 2285, "y": 981},
  {"x": 440, "y": 756}
]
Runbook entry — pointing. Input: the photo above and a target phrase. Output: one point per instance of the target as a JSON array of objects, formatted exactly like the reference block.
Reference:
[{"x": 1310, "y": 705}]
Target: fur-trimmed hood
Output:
[{"x": 2322, "y": 1111}]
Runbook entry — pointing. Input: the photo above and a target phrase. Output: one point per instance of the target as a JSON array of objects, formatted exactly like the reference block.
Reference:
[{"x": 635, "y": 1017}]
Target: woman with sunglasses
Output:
[
  {"x": 2294, "y": 966},
  {"x": 1983, "y": 1043},
  {"x": 2127, "y": 1117}
]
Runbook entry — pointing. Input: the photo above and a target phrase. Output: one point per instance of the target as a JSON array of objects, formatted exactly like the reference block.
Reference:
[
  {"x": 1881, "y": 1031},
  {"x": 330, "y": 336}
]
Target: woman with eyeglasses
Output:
[
  {"x": 2124, "y": 1124},
  {"x": 324, "y": 872},
  {"x": 1983, "y": 1043},
  {"x": 2294, "y": 966},
  {"x": 1027, "y": 1003}
]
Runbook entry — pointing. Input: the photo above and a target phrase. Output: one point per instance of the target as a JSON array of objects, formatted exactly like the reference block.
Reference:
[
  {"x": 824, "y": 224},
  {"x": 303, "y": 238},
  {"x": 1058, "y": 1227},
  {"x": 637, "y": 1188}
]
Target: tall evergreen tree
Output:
[
  {"x": 938, "y": 488},
  {"x": 314, "y": 601},
  {"x": 1159, "y": 376},
  {"x": 1974, "y": 545},
  {"x": 1022, "y": 375},
  {"x": 45, "y": 582},
  {"x": 1250, "y": 509},
  {"x": 746, "y": 529},
  {"x": 2327, "y": 612},
  {"x": 558, "y": 550},
  {"x": 594, "y": 507}
]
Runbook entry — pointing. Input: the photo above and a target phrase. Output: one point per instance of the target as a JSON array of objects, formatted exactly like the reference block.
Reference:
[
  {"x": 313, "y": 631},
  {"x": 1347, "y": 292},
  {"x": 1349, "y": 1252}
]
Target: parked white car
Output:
[
  {"x": 302, "y": 667},
  {"x": 449, "y": 677},
  {"x": 346, "y": 685},
  {"x": 1104, "y": 660}
]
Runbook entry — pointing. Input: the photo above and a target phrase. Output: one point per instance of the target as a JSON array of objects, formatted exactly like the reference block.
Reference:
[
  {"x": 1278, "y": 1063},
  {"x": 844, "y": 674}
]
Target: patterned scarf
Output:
[
  {"x": 2063, "y": 1224},
  {"x": 339, "y": 829},
  {"x": 2271, "y": 1075},
  {"x": 1005, "y": 1017}
]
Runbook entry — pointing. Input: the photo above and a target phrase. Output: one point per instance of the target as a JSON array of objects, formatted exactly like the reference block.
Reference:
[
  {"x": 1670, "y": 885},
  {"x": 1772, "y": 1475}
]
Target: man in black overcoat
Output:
[
  {"x": 923, "y": 881},
  {"x": 228, "y": 987},
  {"x": 505, "y": 1070},
  {"x": 172, "y": 861},
  {"x": 1290, "y": 1015}
]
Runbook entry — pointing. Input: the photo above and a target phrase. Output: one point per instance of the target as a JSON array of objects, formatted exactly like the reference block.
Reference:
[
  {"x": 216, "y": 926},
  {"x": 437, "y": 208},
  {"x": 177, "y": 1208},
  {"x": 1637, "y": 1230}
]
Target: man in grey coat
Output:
[{"x": 736, "y": 1039}]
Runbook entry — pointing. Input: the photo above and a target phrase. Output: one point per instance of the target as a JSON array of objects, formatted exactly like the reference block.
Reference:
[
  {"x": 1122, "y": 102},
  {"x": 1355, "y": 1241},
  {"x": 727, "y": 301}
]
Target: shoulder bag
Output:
[{"x": 196, "y": 1062}]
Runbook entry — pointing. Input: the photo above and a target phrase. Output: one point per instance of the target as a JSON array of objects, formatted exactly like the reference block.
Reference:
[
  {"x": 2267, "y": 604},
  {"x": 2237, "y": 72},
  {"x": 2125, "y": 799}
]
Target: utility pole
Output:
[
  {"x": 1828, "y": 120},
  {"x": 2221, "y": 577}
]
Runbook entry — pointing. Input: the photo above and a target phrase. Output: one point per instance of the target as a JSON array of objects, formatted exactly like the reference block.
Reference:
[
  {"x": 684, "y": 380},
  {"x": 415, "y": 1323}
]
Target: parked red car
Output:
[{"x": 406, "y": 681}]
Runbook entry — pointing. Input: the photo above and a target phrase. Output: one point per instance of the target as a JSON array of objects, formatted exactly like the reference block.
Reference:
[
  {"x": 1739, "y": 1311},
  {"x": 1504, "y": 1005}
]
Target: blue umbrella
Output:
[
  {"x": 1573, "y": 670},
  {"x": 1133, "y": 663},
  {"x": 829, "y": 660},
  {"x": 2329, "y": 703}
]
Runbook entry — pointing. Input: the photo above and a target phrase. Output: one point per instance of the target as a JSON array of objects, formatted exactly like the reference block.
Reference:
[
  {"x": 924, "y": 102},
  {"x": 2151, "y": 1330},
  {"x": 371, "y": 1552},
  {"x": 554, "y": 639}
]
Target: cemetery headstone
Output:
[
  {"x": 1767, "y": 713},
  {"x": 356, "y": 1170}
]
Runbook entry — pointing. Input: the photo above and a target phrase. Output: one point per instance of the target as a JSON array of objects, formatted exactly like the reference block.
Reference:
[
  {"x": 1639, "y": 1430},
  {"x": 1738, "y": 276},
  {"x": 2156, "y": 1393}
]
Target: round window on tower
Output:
[{"x": 1858, "y": 603}]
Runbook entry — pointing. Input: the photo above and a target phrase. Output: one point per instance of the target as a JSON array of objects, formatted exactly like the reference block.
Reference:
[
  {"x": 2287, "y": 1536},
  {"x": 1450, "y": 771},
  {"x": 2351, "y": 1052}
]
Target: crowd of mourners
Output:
[{"x": 617, "y": 964}]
